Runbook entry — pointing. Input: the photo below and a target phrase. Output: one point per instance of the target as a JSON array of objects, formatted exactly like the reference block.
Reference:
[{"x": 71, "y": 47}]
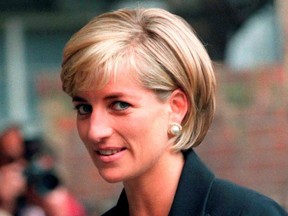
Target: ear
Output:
[{"x": 179, "y": 105}]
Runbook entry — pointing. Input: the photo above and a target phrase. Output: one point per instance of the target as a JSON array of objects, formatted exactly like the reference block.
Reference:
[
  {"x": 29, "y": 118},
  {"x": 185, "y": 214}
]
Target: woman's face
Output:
[{"x": 124, "y": 128}]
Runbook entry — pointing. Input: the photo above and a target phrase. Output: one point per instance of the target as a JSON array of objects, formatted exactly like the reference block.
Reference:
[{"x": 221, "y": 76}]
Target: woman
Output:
[{"x": 143, "y": 87}]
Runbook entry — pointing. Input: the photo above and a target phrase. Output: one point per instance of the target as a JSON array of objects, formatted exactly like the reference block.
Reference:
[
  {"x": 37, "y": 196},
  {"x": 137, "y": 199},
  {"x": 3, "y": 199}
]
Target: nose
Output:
[{"x": 99, "y": 126}]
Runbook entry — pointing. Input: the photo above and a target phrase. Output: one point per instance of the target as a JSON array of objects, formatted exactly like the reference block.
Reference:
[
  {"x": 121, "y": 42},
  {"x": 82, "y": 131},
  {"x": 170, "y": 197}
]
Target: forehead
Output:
[
  {"x": 95, "y": 80},
  {"x": 122, "y": 80}
]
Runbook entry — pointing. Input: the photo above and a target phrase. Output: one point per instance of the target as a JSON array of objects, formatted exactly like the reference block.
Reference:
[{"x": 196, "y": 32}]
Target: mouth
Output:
[{"x": 109, "y": 152}]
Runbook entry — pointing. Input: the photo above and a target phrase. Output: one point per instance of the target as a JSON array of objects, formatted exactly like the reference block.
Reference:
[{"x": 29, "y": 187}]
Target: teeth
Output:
[{"x": 108, "y": 152}]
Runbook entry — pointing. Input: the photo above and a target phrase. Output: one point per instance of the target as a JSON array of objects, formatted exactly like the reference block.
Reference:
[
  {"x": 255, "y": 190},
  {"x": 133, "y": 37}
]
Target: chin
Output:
[{"x": 111, "y": 178}]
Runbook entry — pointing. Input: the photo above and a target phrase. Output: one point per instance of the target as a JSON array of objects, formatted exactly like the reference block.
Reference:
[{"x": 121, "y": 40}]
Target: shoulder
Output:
[
  {"x": 226, "y": 198},
  {"x": 121, "y": 207},
  {"x": 116, "y": 211},
  {"x": 111, "y": 212}
]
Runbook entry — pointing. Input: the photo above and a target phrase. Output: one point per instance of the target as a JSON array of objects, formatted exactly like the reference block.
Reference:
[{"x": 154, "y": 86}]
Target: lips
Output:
[{"x": 109, "y": 152}]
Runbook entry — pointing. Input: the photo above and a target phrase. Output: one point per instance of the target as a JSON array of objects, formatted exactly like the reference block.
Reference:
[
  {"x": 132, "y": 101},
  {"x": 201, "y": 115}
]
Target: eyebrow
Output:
[
  {"x": 109, "y": 97},
  {"x": 78, "y": 99},
  {"x": 114, "y": 96}
]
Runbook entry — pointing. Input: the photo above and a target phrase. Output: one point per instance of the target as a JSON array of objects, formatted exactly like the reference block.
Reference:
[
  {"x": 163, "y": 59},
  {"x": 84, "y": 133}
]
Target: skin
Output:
[
  {"x": 12, "y": 185},
  {"x": 12, "y": 164},
  {"x": 12, "y": 144},
  {"x": 124, "y": 128}
]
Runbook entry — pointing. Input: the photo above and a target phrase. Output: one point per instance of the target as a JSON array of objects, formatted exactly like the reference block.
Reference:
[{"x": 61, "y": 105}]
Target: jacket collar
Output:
[
  {"x": 192, "y": 191},
  {"x": 193, "y": 188}
]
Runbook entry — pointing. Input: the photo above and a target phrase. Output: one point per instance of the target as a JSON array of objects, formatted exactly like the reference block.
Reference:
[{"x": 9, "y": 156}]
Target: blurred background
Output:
[{"x": 248, "y": 141}]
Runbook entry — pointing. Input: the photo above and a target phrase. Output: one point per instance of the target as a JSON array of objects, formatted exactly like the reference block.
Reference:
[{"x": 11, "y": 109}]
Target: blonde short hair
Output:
[{"x": 163, "y": 51}]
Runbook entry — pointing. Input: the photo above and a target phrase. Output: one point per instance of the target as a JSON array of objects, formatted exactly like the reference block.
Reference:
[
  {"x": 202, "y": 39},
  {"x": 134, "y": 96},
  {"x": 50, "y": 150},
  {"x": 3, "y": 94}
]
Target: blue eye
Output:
[
  {"x": 83, "y": 109},
  {"x": 119, "y": 105}
]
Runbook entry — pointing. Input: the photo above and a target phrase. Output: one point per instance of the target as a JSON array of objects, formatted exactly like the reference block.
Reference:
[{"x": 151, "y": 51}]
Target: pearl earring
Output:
[{"x": 175, "y": 129}]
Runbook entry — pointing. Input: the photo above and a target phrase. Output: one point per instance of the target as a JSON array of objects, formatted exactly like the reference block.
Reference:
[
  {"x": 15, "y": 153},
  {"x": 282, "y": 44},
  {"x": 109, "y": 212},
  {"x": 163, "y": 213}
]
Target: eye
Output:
[
  {"x": 120, "y": 105},
  {"x": 83, "y": 109}
]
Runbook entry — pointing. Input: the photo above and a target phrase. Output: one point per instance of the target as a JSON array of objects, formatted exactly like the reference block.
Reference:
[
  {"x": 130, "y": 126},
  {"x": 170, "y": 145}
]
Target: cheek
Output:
[{"x": 148, "y": 128}]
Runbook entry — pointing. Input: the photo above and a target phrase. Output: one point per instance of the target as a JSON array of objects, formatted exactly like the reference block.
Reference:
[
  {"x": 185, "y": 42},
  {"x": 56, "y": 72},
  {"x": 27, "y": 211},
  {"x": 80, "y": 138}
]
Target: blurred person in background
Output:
[
  {"x": 44, "y": 185},
  {"x": 30, "y": 185},
  {"x": 12, "y": 165},
  {"x": 143, "y": 87}
]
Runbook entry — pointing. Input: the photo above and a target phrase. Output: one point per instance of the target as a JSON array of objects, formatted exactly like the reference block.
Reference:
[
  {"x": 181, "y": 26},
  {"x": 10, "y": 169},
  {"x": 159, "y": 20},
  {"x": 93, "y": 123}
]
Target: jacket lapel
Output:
[{"x": 193, "y": 188}]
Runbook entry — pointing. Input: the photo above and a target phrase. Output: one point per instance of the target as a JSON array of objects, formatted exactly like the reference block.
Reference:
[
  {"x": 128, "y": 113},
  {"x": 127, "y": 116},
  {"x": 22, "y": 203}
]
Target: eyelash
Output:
[
  {"x": 127, "y": 105},
  {"x": 112, "y": 107},
  {"x": 79, "y": 106}
]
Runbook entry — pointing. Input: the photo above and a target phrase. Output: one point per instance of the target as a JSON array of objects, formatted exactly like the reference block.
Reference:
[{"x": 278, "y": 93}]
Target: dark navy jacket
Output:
[{"x": 200, "y": 193}]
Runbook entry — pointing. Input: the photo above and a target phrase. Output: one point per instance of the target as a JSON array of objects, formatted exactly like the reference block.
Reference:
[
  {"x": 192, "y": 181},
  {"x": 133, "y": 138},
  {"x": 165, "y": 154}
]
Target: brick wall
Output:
[{"x": 248, "y": 141}]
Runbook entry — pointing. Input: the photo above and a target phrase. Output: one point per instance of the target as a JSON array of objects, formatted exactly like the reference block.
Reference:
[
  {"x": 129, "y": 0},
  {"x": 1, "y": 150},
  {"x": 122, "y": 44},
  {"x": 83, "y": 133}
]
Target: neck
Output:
[{"x": 153, "y": 193}]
